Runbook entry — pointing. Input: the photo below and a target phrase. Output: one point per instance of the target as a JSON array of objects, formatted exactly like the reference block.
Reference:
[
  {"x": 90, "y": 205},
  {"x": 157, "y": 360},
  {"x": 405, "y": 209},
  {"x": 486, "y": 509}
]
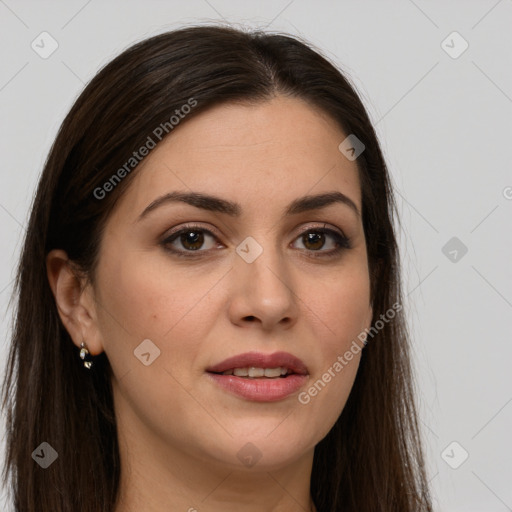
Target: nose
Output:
[{"x": 262, "y": 292}]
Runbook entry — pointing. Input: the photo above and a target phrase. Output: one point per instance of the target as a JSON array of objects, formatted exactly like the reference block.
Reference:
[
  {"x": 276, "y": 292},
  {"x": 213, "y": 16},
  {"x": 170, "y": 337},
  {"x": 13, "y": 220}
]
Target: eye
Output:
[
  {"x": 316, "y": 239},
  {"x": 190, "y": 239}
]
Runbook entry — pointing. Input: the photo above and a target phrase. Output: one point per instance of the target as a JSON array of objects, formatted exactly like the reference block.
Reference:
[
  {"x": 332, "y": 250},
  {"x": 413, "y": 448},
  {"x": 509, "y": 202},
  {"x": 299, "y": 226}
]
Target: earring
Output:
[{"x": 84, "y": 352}]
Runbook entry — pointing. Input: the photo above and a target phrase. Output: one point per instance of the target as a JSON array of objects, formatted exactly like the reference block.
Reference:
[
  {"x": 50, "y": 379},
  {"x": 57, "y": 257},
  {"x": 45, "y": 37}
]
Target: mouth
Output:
[
  {"x": 260, "y": 377},
  {"x": 259, "y": 365},
  {"x": 252, "y": 372}
]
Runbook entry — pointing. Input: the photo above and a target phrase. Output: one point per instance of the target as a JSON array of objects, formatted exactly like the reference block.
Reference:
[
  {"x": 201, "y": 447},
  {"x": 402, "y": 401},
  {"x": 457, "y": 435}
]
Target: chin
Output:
[{"x": 265, "y": 449}]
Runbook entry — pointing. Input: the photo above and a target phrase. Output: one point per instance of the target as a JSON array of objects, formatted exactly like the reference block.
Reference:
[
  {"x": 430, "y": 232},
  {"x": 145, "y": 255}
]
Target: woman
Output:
[{"x": 209, "y": 308}]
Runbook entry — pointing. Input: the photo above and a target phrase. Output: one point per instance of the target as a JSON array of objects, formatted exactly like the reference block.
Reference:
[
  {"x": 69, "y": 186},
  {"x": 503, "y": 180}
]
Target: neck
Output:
[{"x": 153, "y": 488}]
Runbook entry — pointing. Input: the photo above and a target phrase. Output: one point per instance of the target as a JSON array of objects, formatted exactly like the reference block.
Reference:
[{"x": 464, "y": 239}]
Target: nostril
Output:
[{"x": 250, "y": 318}]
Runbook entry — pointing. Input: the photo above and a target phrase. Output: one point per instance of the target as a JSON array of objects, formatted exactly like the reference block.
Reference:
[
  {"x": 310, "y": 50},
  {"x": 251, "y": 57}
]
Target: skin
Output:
[{"x": 180, "y": 433}]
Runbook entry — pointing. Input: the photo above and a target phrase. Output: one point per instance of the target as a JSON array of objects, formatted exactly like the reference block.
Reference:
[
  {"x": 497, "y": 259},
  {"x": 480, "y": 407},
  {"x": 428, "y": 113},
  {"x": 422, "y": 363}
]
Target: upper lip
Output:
[{"x": 260, "y": 360}]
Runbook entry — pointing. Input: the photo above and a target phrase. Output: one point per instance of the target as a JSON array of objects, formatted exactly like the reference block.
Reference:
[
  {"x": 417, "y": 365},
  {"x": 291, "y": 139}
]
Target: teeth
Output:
[
  {"x": 241, "y": 372},
  {"x": 256, "y": 372},
  {"x": 253, "y": 372}
]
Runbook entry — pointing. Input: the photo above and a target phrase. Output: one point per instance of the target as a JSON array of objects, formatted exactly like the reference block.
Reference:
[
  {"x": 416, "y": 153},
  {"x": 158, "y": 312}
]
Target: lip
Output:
[
  {"x": 260, "y": 389},
  {"x": 260, "y": 360}
]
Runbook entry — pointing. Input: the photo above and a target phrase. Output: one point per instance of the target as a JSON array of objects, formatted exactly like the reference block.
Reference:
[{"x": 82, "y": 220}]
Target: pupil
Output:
[
  {"x": 315, "y": 240},
  {"x": 192, "y": 240}
]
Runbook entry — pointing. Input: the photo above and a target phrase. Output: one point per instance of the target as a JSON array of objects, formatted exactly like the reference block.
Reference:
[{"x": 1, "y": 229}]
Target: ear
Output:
[{"x": 74, "y": 297}]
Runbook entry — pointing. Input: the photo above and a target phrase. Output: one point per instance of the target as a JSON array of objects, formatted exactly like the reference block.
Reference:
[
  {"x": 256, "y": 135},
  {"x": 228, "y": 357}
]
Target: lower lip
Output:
[{"x": 260, "y": 389}]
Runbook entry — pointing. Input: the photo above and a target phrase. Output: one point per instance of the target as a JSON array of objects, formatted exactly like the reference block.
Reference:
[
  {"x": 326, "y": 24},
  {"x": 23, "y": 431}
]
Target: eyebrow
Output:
[{"x": 217, "y": 204}]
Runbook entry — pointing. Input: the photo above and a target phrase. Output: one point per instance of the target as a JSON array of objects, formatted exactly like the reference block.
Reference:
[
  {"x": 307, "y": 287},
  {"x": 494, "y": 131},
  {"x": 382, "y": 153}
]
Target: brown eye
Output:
[
  {"x": 313, "y": 240},
  {"x": 192, "y": 240},
  {"x": 323, "y": 241}
]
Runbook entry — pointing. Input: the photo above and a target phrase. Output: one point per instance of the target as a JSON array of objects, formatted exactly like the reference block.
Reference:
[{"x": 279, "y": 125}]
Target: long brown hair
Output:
[{"x": 371, "y": 460}]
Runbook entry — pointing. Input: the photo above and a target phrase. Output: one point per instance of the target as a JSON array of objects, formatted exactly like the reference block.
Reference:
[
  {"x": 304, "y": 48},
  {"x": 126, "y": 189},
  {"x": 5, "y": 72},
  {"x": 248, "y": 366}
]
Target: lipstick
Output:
[{"x": 242, "y": 375}]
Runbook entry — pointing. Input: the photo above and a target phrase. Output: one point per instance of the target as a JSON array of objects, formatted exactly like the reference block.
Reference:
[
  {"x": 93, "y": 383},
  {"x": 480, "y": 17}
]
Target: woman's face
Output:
[{"x": 246, "y": 268}]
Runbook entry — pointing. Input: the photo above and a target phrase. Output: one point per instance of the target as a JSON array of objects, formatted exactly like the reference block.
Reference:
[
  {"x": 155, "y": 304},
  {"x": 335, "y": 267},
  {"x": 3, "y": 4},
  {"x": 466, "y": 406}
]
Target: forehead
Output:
[{"x": 271, "y": 151}]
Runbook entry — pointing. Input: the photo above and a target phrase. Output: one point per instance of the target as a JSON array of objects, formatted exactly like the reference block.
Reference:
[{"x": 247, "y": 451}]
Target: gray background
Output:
[{"x": 444, "y": 124}]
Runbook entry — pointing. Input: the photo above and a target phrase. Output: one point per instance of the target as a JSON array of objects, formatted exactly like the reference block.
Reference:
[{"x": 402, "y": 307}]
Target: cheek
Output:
[
  {"x": 341, "y": 313},
  {"x": 146, "y": 298},
  {"x": 142, "y": 300},
  {"x": 343, "y": 306},
  {"x": 142, "y": 297}
]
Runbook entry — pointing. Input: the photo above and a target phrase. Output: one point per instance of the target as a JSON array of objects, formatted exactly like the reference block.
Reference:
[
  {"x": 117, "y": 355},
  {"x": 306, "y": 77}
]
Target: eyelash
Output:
[{"x": 342, "y": 241}]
